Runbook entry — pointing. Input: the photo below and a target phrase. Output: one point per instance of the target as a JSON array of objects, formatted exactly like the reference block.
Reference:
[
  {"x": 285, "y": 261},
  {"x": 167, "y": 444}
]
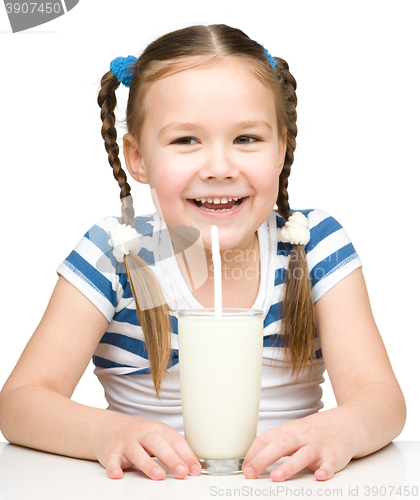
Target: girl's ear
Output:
[{"x": 134, "y": 159}]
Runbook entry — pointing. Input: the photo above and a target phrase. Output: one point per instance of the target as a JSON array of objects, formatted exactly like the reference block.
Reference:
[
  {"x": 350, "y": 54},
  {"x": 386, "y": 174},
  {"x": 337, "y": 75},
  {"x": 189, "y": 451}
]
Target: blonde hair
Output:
[{"x": 163, "y": 57}]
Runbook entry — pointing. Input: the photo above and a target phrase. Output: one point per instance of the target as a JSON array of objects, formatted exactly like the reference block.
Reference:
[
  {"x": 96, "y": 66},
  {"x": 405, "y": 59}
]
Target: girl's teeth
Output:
[
  {"x": 216, "y": 201},
  {"x": 215, "y": 210}
]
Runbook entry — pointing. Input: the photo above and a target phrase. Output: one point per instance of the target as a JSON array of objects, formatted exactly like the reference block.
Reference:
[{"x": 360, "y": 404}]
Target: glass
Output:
[{"x": 220, "y": 361}]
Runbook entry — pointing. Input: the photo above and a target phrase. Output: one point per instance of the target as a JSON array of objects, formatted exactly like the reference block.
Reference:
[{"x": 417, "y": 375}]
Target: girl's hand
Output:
[
  {"x": 317, "y": 442},
  {"x": 371, "y": 407},
  {"x": 134, "y": 440}
]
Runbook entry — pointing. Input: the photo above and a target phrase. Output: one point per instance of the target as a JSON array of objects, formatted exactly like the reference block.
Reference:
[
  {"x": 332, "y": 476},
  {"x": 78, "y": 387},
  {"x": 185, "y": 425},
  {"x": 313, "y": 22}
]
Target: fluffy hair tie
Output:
[
  {"x": 122, "y": 67},
  {"x": 124, "y": 239},
  {"x": 271, "y": 60},
  {"x": 296, "y": 230}
]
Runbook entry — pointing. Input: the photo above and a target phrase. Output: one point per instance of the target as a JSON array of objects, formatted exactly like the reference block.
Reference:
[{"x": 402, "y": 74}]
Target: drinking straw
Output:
[{"x": 217, "y": 266}]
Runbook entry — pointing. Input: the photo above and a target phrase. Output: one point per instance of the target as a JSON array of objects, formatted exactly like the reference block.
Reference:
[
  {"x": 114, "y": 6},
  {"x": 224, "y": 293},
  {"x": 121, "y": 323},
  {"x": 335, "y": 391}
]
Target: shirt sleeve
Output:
[
  {"x": 330, "y": 253},
  {"x": 92, "y": 268}
]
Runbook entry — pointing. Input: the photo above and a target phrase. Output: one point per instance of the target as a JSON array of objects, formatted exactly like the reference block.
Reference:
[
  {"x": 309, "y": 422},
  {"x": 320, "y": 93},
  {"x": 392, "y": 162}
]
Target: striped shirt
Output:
[{"x": 121, "y": 361}]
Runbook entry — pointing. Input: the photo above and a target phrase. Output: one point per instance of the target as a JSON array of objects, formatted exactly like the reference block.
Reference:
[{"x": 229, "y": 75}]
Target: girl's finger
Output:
[
  {"x": 302, "y": 458},
  {"x": 158, "y": 446},
  {"x": 182, "y": 448},
  {"x": 326, "y": 470},
  {"x": 273, "y": 451},
  {"x": 114, "y": 467},
  {"x": 258, "y": 445},
  {"x": 141, "y": 459}
]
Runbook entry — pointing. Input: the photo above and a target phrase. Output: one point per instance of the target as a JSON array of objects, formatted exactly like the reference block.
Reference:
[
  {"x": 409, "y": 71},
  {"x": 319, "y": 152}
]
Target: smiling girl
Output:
[{"x": 211, "y": 120}]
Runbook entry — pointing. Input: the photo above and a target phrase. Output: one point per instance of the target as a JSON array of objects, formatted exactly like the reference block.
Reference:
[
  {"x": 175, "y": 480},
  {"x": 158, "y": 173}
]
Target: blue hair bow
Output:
[
  {"x": 122, "y": 69},
  {"x": 271, "y": 60}
]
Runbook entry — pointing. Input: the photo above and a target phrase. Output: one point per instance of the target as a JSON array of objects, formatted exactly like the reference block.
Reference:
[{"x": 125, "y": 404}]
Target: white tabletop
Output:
[{"x": 392, "y": 472}]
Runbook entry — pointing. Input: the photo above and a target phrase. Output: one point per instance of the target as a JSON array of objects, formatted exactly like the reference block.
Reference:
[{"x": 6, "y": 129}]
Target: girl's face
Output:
[{"x": 210, "y": 133}]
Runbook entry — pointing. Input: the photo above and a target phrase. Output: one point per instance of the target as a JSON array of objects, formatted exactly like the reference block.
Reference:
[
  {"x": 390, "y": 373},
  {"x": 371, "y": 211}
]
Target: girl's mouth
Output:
[{"x": 217, "y": 204}]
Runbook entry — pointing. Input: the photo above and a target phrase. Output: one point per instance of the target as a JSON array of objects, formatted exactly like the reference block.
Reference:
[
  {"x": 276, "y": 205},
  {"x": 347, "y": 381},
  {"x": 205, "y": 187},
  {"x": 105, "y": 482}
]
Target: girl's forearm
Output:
[
  {"x": 39, "y": 418},
  {"x": 36, "y": 417},
  {"x": 375, "y": 415}
]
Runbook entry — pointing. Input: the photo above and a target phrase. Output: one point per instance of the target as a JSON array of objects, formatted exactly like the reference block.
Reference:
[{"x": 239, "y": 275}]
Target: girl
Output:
[{"x": 211, "y": 120}]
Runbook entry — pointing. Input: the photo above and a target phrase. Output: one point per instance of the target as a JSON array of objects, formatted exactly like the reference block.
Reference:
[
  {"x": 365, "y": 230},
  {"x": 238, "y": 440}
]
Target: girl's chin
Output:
[{"x": 229, "y": 242}]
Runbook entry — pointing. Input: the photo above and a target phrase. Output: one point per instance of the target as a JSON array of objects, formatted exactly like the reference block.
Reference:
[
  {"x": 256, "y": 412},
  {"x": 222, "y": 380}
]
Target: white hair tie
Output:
[
  {"x": 124, "y": 239},
  {"x": 296, "y": 230}
]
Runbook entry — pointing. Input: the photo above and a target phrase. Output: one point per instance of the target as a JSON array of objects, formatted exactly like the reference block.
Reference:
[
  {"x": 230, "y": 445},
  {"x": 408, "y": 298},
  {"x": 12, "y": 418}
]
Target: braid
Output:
[
  {"x": 298, "y": 316},
  {"x": 107, "y": 101},
  {"x": 283, "y": 196},
  {"x": 152, "y": 309},
  {"x": 288, "y": 83}
]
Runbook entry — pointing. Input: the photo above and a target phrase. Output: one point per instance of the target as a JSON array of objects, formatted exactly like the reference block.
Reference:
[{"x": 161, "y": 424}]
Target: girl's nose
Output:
[{"x": 218, "y": 166}]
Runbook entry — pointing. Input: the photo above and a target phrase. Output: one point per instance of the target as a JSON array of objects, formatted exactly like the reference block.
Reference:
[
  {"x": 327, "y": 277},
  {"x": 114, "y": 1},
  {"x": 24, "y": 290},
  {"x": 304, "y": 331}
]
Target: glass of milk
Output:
[{"x": 220, "y": 362}]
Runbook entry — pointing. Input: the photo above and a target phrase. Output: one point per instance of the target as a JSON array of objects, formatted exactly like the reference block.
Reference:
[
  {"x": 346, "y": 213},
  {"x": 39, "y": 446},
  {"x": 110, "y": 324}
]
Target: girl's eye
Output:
[
  {"x": 185, "y": 140},
  {"x": 246, "y": 139}
]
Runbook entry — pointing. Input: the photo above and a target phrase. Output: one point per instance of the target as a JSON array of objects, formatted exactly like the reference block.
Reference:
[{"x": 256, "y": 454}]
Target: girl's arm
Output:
[
  {"x": 36, "y": 410},
  {"x": 371, "y": 408}
]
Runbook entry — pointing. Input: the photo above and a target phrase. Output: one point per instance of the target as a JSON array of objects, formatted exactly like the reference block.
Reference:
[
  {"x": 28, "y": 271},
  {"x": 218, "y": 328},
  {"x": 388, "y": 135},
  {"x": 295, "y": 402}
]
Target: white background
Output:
[{"x": 357, "y": 68}]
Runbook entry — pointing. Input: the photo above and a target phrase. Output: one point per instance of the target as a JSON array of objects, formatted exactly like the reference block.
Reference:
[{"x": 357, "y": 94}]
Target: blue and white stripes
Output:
[{"x": 92, "y": 268}]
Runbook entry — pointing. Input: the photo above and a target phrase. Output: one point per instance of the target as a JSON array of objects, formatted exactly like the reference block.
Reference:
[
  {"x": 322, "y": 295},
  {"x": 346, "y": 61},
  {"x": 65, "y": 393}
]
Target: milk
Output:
[{"x": 220, "y": 361}]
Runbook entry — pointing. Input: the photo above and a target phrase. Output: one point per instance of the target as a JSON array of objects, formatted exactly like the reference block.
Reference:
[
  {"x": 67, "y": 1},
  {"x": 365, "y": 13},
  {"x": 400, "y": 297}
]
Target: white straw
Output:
[{"x": 217, "y": 266}]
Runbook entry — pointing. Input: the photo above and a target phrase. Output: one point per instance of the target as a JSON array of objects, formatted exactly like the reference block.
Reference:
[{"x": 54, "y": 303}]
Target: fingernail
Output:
[
  {"x": 249, "y": 472},
  {"x": 180, "y": 470},
  {"x": 322, "y": 473},
  {"x": 115, "y": 474},
  {"x": 157, "y": 472},
  {"x": 278, "y": 474},
  {"x": 195, "y": 469}
]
